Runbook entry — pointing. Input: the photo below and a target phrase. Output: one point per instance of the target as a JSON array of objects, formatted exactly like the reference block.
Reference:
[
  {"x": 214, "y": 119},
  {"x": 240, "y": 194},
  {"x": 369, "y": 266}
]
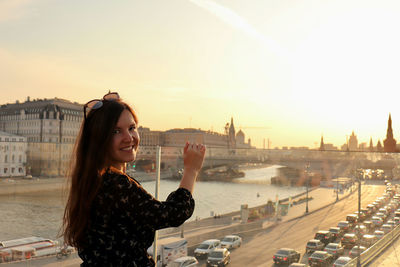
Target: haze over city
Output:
[{"x": 295, "y": 70}]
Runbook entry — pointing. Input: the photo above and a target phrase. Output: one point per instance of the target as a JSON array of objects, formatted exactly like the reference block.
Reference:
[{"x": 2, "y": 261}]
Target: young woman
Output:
[{"x": 109, "y": 217}]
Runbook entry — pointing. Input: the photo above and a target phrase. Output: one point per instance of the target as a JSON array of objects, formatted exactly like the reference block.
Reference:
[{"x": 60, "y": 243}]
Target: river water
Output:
[{"x": 40, "y": 214}]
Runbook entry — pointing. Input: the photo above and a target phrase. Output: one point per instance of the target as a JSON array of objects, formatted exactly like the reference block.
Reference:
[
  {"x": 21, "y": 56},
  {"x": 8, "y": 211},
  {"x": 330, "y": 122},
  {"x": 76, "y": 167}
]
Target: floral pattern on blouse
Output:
[{"x": 123, "y": 221}]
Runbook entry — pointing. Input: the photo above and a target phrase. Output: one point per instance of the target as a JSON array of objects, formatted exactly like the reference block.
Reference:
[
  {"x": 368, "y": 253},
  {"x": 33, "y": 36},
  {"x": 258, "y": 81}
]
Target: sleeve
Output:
[{"x": 135, "y": 200}]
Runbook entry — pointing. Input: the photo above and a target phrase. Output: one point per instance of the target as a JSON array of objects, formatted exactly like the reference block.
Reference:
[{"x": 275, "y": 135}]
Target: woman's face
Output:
[{"x": 125, "y": 141}]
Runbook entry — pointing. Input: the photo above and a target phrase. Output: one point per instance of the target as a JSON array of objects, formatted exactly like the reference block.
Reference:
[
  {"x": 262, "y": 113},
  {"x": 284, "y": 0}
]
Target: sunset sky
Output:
[{"x": 295, "y": 69}]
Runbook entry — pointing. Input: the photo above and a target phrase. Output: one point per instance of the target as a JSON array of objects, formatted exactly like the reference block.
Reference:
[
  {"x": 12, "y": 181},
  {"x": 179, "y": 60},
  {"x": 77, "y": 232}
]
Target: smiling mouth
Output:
[{"x": 130, "y": 148}]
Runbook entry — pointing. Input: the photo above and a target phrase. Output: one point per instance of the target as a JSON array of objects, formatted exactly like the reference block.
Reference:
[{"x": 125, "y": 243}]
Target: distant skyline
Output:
[{"x": 302, "y": 69}]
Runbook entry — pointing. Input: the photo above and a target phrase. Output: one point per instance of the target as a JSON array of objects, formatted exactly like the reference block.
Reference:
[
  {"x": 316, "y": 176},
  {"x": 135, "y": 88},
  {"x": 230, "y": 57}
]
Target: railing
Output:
[{"x": 375, "y": 250}]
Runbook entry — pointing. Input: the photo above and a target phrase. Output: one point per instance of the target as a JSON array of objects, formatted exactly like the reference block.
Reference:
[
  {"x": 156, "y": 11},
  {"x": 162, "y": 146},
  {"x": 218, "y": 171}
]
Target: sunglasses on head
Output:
[{"x": 98, "y": 103}]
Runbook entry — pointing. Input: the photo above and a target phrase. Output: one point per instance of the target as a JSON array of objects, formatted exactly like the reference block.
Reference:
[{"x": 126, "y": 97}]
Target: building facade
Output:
[
  {"x": 12, "y": 155},
  {"x": 50, "y": 127}
]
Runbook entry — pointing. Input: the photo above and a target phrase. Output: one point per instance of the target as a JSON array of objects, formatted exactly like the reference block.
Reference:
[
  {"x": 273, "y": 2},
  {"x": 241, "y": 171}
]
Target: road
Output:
[{"x": 294, "y": 234}]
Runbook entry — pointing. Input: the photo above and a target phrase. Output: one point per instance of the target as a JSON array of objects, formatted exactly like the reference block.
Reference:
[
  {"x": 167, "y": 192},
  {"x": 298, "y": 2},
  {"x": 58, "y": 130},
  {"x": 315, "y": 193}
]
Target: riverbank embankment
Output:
[{"x": 21, "y": 185}]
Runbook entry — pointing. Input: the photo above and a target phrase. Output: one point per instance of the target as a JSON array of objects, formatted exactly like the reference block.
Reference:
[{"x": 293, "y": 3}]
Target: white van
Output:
[{"x": 205, "y": 247}]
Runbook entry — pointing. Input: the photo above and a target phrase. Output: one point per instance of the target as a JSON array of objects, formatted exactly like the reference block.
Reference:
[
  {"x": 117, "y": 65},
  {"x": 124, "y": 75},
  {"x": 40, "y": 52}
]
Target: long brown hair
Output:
[{"x": 90, "y": 160}]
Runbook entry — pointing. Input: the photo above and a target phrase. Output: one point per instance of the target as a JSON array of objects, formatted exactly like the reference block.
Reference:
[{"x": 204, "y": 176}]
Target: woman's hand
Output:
[{"x": 193, "y": 157}]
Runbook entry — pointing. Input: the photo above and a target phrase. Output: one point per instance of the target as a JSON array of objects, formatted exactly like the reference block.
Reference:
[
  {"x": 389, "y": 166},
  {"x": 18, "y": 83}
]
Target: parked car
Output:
[
  {"x": 369, "y": 225},
  {"x": 379, "y": 234},
  {"x": 361, "y": 228},
  {"x": 296, "y": 264},
  {"x": 320, "y": 258},
  {"x": 314, "y": 245},
  {"x": 344, "y": 225},
  {"x": 367, "y": 213},
  {"x": 371, "y": 208},
  {"x": 381, "y": 215},
  {"x": 206, "y": 247},
  {"x": 219, "y": 257},
  {"x": 341, "y": 261},
  {"x": 392, "y": 223},
  {"x": 368, "y": 240},
  {"x": 326, "y": 237},
  {"x": 187, "y": 261},
  {"x": 336, "y": 231},
  {"x": 352, "y": 219},
  {"x": 355, "y": 251},
  {"x": 335, "y": 249},
  {"x": 396, "y": 220},
  {"x": 386, "y": 228},
  {"x": 378, "y": 222},
  {"x": 349, "y": 240},
  {"x": 286, "y": 256},
  {"x": 360, "y": 217},
  {"x": 231, "y": 241}
]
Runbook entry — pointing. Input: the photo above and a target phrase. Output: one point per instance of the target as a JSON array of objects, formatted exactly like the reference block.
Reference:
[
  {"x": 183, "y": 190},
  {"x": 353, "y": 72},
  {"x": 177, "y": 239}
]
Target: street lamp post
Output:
[
  {"x": 359, "y": 176},
  {"x": 337, "y": 189},
  {"x": 307, "y": 182}
]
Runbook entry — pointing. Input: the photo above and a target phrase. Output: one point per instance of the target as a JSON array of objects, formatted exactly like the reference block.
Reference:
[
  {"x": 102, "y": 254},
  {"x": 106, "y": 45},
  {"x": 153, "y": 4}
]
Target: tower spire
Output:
[
  {"x": 322, "y": 146},
  {"x": 389, "y": 144}
]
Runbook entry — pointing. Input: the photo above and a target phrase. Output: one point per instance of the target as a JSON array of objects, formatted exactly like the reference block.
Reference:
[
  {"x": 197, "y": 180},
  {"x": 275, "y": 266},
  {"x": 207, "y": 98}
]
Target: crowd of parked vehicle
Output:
[{"x": 351, "y": 237}]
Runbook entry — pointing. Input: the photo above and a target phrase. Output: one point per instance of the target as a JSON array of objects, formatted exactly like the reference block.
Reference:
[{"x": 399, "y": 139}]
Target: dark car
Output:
[
  {"x": 349, "y": 240},
  {"x": 344, "y": 225},
  {"x": 326, "y": 237},
  {"x": 352, "y": 219},
  {"x": 360, "y": 217},
  {"x": 336, "y": 231},
  {"x": 314, "y": 245},
  {"x": 286, "y": 256},
  {"x": 219, "y": 257},
  {"x": 370, "y": 226},
  {"x": 355, "y": 251},
  {"x": 320, "y": 258}
]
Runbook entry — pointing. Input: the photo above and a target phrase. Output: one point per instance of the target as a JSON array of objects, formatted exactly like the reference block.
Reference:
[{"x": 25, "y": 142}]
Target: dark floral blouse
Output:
[{"x": 123, "y": 221}]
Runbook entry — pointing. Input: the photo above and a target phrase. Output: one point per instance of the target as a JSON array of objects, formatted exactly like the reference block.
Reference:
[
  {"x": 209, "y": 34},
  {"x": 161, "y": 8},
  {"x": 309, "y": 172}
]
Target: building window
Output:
[
  {"x": 12, "y": 158},
  {"x": 6, "y": 159},
  {"x": 20, "y": 158},
  {"x": 5, "y": 170},
  {"x": 12, "y": 170}
]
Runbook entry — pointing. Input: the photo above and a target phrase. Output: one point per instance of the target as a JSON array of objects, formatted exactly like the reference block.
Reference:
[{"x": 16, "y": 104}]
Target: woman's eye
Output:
[
  {"x": 132, "y": 128},
  {"x": 116, "y": 131}
]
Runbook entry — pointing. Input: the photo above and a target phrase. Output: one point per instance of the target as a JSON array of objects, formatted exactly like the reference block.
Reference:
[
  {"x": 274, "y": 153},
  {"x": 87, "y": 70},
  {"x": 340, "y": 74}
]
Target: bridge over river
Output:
[{"x": 325, "y": 164}]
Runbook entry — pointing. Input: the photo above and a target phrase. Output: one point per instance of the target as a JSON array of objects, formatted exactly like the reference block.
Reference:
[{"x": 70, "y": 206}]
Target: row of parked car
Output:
[
  {"x": 216, "y": 252},
  {"x": 357, "y": 233}
]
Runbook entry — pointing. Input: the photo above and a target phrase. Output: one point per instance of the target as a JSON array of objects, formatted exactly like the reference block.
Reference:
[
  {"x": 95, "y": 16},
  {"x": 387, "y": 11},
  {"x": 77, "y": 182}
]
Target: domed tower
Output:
[{"x": 240, "y": 137}]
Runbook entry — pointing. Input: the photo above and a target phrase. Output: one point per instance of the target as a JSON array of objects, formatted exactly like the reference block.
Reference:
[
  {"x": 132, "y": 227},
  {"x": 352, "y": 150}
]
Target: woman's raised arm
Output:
[{"x": 193, "y": 157}]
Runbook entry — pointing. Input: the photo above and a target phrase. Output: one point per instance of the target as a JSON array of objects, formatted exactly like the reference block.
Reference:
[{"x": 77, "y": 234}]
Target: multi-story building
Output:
[
  {"x": 179, "y": 137},
  {"x": 12, "y": 155},
  {"x": 353, "y": 142},
  {"x": 50, "y": 126}
]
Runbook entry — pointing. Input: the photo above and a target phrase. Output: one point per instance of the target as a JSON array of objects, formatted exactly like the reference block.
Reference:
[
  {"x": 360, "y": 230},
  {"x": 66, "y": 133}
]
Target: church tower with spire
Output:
[
  {"x": 389, "y": 144},
  {"x": 232, "y": 135},
  {"x": 322, "y": 145}
]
